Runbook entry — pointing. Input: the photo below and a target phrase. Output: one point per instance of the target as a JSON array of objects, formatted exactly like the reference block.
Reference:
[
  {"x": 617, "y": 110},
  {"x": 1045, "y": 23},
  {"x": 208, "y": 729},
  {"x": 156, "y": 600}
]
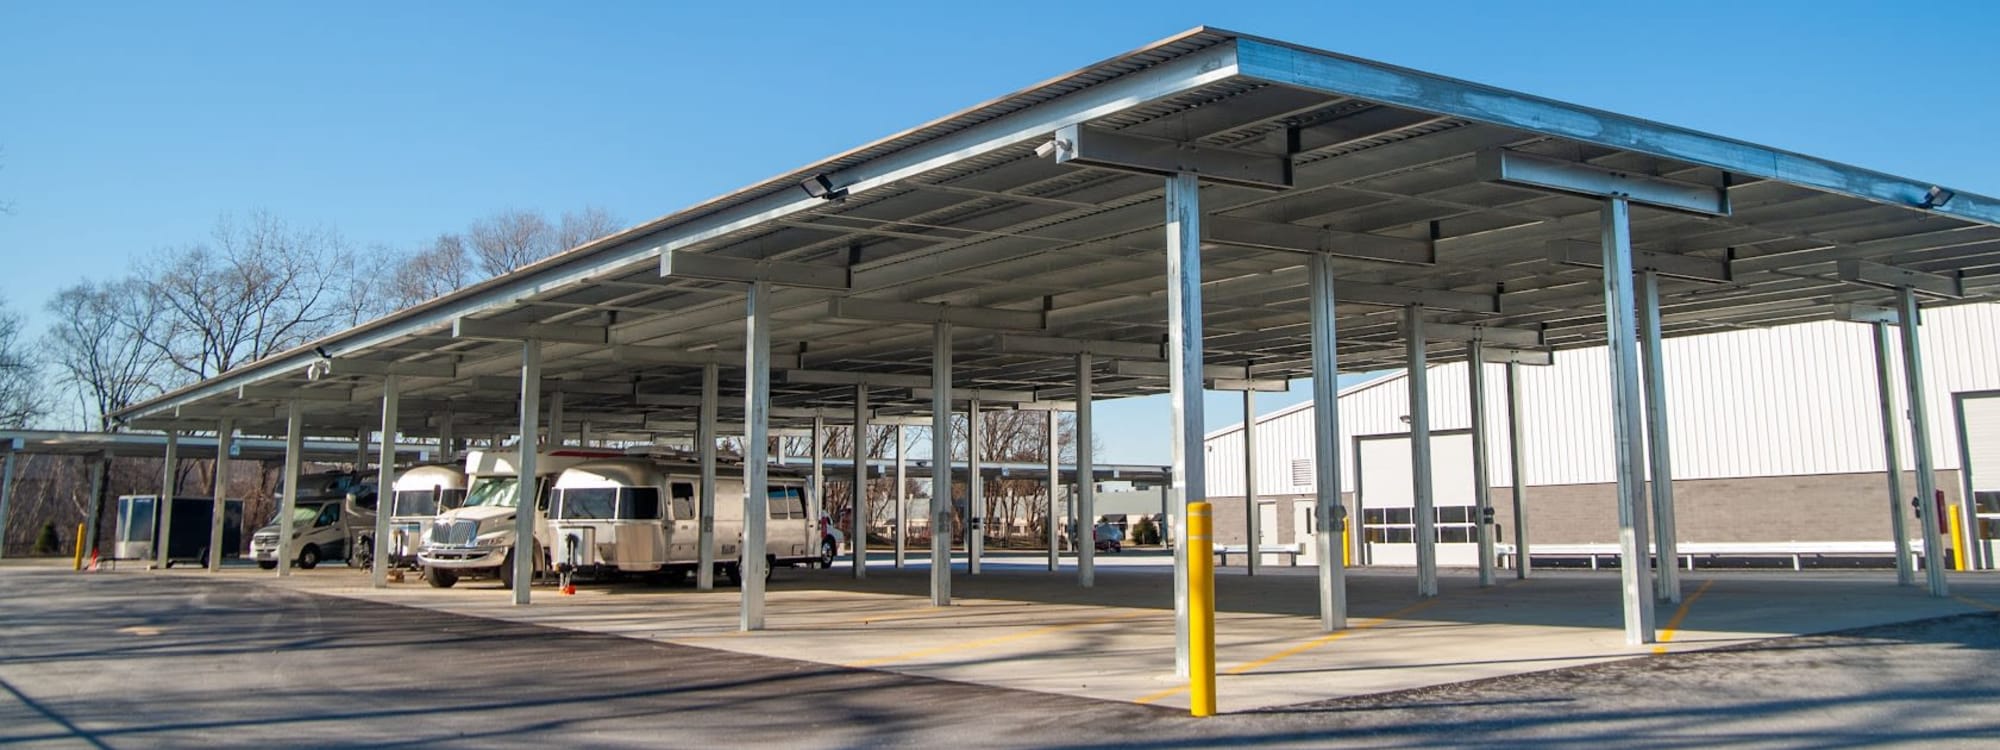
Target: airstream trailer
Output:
[
  {"x": 419, "y": 495},
  {"x": 639, "y": 515}
]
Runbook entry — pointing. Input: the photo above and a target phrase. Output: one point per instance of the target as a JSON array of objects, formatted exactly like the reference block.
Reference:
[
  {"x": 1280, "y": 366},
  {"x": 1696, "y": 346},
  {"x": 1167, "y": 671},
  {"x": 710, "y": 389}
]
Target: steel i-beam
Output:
[
  {"x": 169, "y": 487},
  {"x": 940, "y": 524},
  {"x": 1184, "y": 355},
  {"x": 1420, "y": 451},
  {"x": 294, "y": 443},
  {"x": 1517, "y": 462},
  {"x": 1665, "y": 543},
  {"x": 704, "y": 572},
  {"x": 1329, "y": 536},
  {"x": 1885, "y": 395},
  {"x": 1920, "y": 443},
  {"x": 859, "y": 536},
  {"x": 756, "y": 466},
  {"x": 1482, "y": 484},
  {"x": 385, "y": 483},
  {"x": 1084, "y": 505},
  {"x": 527, "y": 487},
  {"x": 1622, "y": 332},
  {"x": 223, "y": 437}
]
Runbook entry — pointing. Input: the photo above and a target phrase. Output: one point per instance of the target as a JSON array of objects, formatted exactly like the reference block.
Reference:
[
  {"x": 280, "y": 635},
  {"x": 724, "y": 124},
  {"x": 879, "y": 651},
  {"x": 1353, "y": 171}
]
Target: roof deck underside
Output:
[{"x": 999, "y": 227}]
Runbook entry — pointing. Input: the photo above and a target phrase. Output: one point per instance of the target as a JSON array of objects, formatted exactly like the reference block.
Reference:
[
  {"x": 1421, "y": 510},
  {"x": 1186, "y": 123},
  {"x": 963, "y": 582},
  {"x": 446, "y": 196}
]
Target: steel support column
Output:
[
  {"x": 1517, "y": 462},
  {"x": 816, "y": 505},
  {"x": 859, "y": 536},
  {"x": 1083, "y": 505},
  {"x": 1184, "y": 365},
  {"x": 163, "y": 515},
  {"x": 1329, "y": 513},
  {"x": 556, "y": 439},
  {"x": 1420, "y": 451},
  {"x": 1054, "y": 481},
  {"x": 385, "y": 481},
  {"x": 902, "y": 495},
  {"x": 1622, "y": 334},
  {"x": 7, "y": 490},
  {"x": 220, "y": 488},
  {"x": 975, "y": 490},
  {"x": 1885, "y": 395},
  {"x": 294, "y": 443},
  {"x": 1920, "y": 442},
  {"x": 528, "y": 449},
  {"x": 1250, "y": 482},
  {"x": 704, "y": 572},
  {"x": 756, "y": 466},
  {"x": 940, "y": 524},
  {"x": 95, "y": 504},
  {"x": 1667, "y": 585},
  {"x": 1482, "y": 481}
]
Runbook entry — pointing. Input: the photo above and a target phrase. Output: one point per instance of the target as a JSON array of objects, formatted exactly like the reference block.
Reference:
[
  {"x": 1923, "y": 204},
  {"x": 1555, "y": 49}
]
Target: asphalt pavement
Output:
[{"x": 138, "y": 660}]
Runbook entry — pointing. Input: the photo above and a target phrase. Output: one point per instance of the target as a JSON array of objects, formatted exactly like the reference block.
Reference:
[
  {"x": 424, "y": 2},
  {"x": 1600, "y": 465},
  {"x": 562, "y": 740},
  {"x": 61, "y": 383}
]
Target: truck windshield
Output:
[
  {"x": 302, "y": 515},
  {"x": 498, "y": 492}
]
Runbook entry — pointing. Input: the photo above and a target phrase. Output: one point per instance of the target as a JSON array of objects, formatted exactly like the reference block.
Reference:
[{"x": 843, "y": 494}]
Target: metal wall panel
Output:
[{"x": 1792, "y": 400}]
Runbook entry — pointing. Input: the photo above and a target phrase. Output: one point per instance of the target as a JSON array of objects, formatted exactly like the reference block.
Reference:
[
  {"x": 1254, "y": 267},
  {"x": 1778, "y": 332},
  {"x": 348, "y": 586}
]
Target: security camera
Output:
[{"x": 1050, "y": 148}]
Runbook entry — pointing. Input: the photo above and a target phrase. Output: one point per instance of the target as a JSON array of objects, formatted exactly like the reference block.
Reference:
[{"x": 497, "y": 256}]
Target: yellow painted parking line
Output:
[
  {"x": 1299, "y": 649},
  {"x": 1976, "y": 603},
  {"x": 996, "y": 640},
  {"x": 1673, "y": 626}
]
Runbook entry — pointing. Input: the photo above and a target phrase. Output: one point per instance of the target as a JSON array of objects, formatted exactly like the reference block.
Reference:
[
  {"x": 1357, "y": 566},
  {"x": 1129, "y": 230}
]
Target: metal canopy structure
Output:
[
  {"x": 1054, "y": 242},
  {"x": 129, "y": 444}
]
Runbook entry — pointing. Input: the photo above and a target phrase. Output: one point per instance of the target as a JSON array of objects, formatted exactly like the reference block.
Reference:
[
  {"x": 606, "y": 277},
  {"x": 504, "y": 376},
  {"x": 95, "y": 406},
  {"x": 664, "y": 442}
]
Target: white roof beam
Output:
[
  {"x": 1509, "y": 355},
  {"x": 983, "y": 394},
  {"x": 1398, "y": 296},
  {"x": 662, "y": 355},
  {"x": 887, "y": 311},
  {"x": 1013, "y": 343},
  {"x": 1295, "y": 238},
  {"x": 1592, "y": 181},
  {"x": 844, "y": 377},
  {"x": 1483, "y": 334},
  {"x": 1248, "y": 384},
  {"x": 283, "y": 393},
  {"x": 1589, "y": 255},
  {"x": 1893, "y": 277},
  {"x": 1130, "y": 369},
  {"x": 1104, "y": 149},
  {"x": 686, "y": 265},
  {"x": 497, "y": 330},
  {"x": 1860, "y": 313},
  {"x": 373, "y": 368}
]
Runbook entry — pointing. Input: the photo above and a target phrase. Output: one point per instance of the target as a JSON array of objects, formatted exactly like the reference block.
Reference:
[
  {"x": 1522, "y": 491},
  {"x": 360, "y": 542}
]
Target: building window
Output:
[
  {"x": 1398, "y": 525},
  {"x": 1302, "y": 472}
]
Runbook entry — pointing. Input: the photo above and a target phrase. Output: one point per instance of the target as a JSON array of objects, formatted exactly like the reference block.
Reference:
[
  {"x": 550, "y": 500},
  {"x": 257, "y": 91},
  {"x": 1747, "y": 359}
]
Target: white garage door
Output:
[{"x": 1387, "y": 499}]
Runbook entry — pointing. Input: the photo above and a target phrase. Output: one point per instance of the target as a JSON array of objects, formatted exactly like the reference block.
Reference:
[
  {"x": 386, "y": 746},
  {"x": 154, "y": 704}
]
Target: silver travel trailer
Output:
[
  {"x": 639, "y": 515},
  {"x": 419, "y": 495},
  {"x": 477, "y": 538}
]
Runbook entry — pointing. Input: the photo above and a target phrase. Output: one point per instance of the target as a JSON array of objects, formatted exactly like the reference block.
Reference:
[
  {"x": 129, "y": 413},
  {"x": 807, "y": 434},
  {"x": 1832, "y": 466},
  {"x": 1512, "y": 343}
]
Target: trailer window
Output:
[
  {"x": 787, "y": 502},
  {"x": 639, "y": 503},
  {"x": 138, "y": 516},
  {"x": 587, "y": 503},
  {"x": 683, "y": 500},
  {"x": 415, "y": 503}
]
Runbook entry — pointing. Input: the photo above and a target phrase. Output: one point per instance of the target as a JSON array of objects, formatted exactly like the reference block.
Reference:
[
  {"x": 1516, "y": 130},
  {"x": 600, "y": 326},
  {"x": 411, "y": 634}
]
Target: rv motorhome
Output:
[
  {"x": 323, "y": 521},
  {"x": 639, "y": 515},
  {"x": 477, "y": 538},
  {"x": 419, "y": 495}
]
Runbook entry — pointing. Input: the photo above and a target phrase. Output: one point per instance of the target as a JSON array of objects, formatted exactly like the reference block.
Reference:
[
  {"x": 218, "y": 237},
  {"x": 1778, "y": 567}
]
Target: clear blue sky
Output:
[{"x": 131, "y": 126}]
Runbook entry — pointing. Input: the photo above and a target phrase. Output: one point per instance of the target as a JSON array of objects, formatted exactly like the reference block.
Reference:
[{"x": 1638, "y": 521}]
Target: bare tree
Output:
[
  {"x": 511, "y": 239},
  {"x": 259, "y": 287},
  {"x": 21, "y": 397},
  {"x": 442, "y": 268},
  {"x": 98, "y": 343},
  {"x": 583, "y": 226}
]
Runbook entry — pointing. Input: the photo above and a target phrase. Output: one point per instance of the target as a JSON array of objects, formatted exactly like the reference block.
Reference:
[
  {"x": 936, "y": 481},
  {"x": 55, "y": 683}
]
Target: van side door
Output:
[{"x": 684, "y": 531}]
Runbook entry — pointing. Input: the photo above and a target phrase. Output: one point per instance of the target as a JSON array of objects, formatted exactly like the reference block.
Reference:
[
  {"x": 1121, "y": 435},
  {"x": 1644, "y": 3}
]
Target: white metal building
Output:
[{"x": 1782, "y": 418}]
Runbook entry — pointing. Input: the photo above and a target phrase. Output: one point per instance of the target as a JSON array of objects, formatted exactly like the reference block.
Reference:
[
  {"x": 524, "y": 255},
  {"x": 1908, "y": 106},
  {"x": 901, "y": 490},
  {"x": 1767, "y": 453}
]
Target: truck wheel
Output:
[
  {"x": 265, "y": 564},
  {"x": 828, "y": 550},
  {"x": 309, "y": 557},
  {"x": 439, "y": 578}
]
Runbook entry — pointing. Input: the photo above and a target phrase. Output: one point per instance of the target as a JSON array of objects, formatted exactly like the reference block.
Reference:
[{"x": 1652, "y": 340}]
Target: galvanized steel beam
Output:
[
  {"x": 1627, "y": 423},
  {"x": 756, "y": 467},
  {"x": 1920, "y": 443},
  {"x": 1296, "y": 238},
  {"x": 1592, "y": 181},
  {"x": 1330, "y": 543},
  {"x": 691, "y": 265},
  {"x": 1104, "y": 149},
  {"x": 1184, "y": 362},
  {"x": 890, "y": 311},
  {"x": 1665, "y": 541},
  {"x": 1420, "y": 451}
]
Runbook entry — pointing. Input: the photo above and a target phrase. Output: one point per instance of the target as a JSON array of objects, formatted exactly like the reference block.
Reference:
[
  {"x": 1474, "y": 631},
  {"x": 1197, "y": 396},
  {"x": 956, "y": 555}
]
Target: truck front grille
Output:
[{"x": 453, "y": 533}]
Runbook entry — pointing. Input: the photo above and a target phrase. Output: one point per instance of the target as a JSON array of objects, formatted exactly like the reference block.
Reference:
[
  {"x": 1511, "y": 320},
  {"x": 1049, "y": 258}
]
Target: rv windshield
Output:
[
  {"x": 302, "y": 515},
  {"x": 498, "y": 492}
]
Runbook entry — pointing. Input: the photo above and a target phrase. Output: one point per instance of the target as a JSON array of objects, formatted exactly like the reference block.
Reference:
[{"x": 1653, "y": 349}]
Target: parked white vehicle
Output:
[
  {"x": 640, "y": 515},
  {"x": 419, "y": 495},
  {"x": 477, "y": 538}
]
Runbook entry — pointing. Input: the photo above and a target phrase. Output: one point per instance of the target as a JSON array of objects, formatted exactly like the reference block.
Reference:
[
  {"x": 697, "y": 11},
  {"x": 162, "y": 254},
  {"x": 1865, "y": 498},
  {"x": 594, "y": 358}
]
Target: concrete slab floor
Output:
[{"x": 1020, "y": 626}]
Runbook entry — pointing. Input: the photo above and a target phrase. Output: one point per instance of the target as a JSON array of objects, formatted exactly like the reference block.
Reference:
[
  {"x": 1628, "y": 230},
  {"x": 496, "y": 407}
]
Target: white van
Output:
[
  {"x": 640, "y": 515},
  {"x": 477, "y": 538},
  {"x": 419, "y": 495}
]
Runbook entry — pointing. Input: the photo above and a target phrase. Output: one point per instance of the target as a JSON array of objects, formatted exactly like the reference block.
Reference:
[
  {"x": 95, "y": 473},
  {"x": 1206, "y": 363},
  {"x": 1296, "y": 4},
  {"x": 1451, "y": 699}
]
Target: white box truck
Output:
[
  {"x": 477, "y": 538},
  {"x": 639, "y": 515}
]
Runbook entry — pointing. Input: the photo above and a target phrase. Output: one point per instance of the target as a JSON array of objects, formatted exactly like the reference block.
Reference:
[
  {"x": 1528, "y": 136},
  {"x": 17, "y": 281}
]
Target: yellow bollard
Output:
[
  {"x": 1346, "y": 547},
  {"x": 1958, "y": 561},
  {"x": 79, "y": 548},
  {"x": 1201, "y": 610}
]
